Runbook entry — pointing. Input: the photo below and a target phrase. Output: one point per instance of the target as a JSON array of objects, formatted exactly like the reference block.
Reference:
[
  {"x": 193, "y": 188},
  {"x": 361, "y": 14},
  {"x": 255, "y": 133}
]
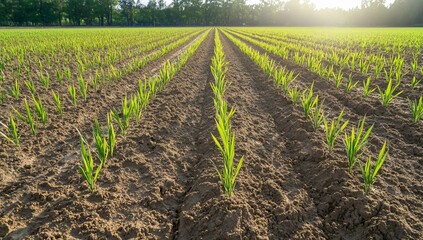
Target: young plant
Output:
[
  {"x": 83, "y": 87},
  {"x": 307, "y": 100},
  {"x": 366, "y": 87},
  {"x": 333, "y": 129},
  {"x": 12, "y": 130},
  {"x": 355, "y": 141},
  {"x": 15, "y": 90},
  {"x": 56, "y": 99},
  {"x": 294, "y": 93},
  {"x": 369, "y": 174},
  {"x": 317, "y": 116},
  {"x": 29, "y": 119},
  {"x": 388, "y": 94},
  {"x": 59, "y": 76},
  {"x": 350, "y": 85},
  {"x": 101, "y": 143},
  {"x": 338, "y": 78},
  {"x": 41, "y": 112},
  {"x": 414, "y": 82},
  {"x": 72, "y": 93},
  {"x": 416, "y": 108},
  {"x": 31, "y": 87},
  {"x": 87, "y": 169},
  {"x": 126, "y": 116},
  {"x": 45, "y": 80},
  {"x": 226, "y": 146},
  {"x": 111, "y": 140}
]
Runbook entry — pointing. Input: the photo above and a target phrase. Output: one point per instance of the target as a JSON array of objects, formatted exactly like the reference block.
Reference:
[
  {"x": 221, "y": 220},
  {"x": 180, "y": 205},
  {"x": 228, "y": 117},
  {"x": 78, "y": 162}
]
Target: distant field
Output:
[{"x": 132, "y": 133}]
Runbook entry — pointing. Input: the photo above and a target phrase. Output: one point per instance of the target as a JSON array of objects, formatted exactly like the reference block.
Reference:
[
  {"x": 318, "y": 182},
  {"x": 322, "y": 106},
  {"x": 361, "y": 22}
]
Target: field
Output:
[{"x": 211, "y": 133}]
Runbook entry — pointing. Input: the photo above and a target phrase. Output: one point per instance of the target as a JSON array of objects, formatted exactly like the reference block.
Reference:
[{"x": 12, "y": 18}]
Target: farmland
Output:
[{"x": 211, "y": 133}]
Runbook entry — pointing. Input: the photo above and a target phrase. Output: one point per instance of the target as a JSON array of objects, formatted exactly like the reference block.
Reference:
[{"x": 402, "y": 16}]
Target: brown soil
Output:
[{"x": 162, "y": 185}]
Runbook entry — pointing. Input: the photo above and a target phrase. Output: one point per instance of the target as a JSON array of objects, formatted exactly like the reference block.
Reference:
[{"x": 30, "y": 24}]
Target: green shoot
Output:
[
  {"x": 87, "y": 170},
  {"x": 366, "y": 87},
  {"x": 31, "y": 87},
  {"x": 369, "y": 175},
  {"x": 317, "y": 116},
  {"x": 56, "y": 99},
  {"x": 414, "y": 82},
  {"x": 307, "y": 100},
  {"x": 83, "y": 87},
  {"x": 41, "y": 112},
  {"x": 350, "y": 85},
  {"x": 126, "y": 116},
  {"x": 416, "y": 108},
  {"x": 388, "y": 95},
  {"x": 30, "y": 119},
  {"x": 333, "y": 129},
  {"x": 226, "y": 146},
  {"x": 13, "y": 131},
  {"x": 294, "y": 93},
  {"x": 101, "y": 143},
  {"x": 15, "y": 91},
  {"x": 355, "y": 141},
  {"x": 72, "y": 93},
  {"x": 111, "y": 134}
]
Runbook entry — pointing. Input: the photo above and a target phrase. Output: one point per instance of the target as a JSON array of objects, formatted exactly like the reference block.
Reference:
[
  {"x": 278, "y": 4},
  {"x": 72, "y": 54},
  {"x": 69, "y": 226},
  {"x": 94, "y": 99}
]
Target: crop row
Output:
[
  {"x": 225, "y": 141},
  {"x": 131, "y": 110},
  {"x": 312, "y": 106},
  {"x": 313, "y": 64},
  {"x": 34, "y": 110}
]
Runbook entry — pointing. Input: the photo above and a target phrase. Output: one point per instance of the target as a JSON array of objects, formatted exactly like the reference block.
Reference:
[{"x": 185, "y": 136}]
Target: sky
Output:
[{"x": 344, "y": 4}]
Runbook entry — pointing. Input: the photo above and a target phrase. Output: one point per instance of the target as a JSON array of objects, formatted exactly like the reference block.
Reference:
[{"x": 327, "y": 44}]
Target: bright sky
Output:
[{"x": 344, "y": 4}]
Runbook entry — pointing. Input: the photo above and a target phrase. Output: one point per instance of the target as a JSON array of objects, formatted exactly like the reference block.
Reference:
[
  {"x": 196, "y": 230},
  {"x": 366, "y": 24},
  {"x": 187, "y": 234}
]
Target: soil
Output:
[{"x": 161, "y": 184}]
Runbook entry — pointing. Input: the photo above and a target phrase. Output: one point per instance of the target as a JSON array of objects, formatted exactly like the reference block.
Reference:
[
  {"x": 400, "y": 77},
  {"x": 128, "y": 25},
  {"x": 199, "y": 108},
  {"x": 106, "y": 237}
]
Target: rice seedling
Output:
[
  {"x": 2, "y": 95},
  {"x": 59, "y": 76},
  {"x": 28, "y": 118},
  {"x": 414, "y": 82},
  {"x": 355, "y": 141},
  {"x": 72, "y": 93},
  {"x": 338, "y": 78},
  {"x": 388, "y": 94},
  {"x": 88, "y": 170},
  {"x": 15, "y": 90},
  {"x": 350, "y": 85},
  {"x": 101, "y": 143},
  {"x": 416, "y": 108},
  {"x": 333, "y": 129},
  {"x": 143, "y": 94},
  {"x": 56, "y": 99},
  {"x": 12, "y": 130},
  {"x": 137, "y": 109},
  {"x": 68, "y": 74},
  {"x": 294, "y": 93},
  {"x": 226, "y": 146},
  {"x": 30, "y": 86},
  {"x": 111, "y": 134},
  {"x": 369, "y": 174},
  {"x": 317, "y": 116},
  {"x": 123, "y": 122},
  {"x": 307, "y": 101},
  {"x": 83, "y": 87},
  {"x": 366, "y": 87},
  {"x": 41, "y": 112},
  {"x": 45, "y": 80}
]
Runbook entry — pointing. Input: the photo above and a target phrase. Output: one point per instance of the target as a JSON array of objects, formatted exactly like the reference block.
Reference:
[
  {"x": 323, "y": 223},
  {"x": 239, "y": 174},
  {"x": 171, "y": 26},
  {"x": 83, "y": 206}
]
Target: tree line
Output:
[{"x": 205, "y": 13}]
